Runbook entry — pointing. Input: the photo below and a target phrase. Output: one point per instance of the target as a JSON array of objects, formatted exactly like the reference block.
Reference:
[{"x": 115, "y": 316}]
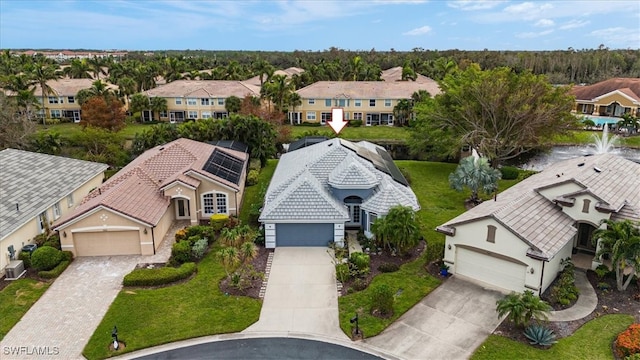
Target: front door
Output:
[
  {"x": 182, "y": 209},
  {"x": 353, "y": 206},
  {"x": 585, "y": 232}
]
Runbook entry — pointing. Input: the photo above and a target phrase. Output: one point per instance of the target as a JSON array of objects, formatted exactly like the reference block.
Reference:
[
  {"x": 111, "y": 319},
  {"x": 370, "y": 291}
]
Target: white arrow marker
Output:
[{"x": 337, "y": 122}]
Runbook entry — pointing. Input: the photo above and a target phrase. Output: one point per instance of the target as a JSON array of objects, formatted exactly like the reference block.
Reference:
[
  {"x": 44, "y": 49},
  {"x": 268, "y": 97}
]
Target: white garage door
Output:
[
  {"x": 491, "y": 270},
  {"x": 107, "y": 243}
]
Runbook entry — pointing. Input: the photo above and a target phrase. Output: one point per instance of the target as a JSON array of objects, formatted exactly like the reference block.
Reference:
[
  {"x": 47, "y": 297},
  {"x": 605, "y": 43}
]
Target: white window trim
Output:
[
  {"x": 70, "y": 200},
  {"x": 56, "y": 210},
  {"x": 178, "y": 101},
  {"x": 214, "y": 199},
  {"x": 387, "y": 102},
  {"x": 309, "y": 118},
  {"x": 192, "y": 101},
  {"x": 311, "y": 101},
  {"x": 358, "y": 103},
  {"x": 42, "y": 221}
]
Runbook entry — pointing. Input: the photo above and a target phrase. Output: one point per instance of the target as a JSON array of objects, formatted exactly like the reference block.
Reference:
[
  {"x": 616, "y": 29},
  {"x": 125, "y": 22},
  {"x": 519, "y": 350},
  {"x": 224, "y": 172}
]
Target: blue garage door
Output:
[{"x": 303, "y": 234}]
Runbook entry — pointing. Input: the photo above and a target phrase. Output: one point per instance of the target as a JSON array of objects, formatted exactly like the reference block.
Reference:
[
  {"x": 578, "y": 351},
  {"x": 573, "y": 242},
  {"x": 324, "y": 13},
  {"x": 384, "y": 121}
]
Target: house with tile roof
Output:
[
  {"x": 610, "y": 98},
  {"x": 322, "y": 189},
  {"x": 37, "y": 189},
  {"x": 198, "y": 99},
  {"x": 517, "y": 241},
  {"x": 132, "y": 211},
  {"x": 372, "y": 102}
]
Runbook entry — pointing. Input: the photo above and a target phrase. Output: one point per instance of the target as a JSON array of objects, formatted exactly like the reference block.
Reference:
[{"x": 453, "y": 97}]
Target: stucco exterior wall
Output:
[
  {"x": 160, "y": 230},
  {"x": 559, "y": 190},
  {"x": 178, "y": 190},
  {"x": 593, "y": 216},
  {"x": 474, "y": 234},
  {"x": 233, "y": 198},
  {"x": 553, "y": 267},
  {"x": 616, "y": 97},
  {"x": 349, "y": 107}
]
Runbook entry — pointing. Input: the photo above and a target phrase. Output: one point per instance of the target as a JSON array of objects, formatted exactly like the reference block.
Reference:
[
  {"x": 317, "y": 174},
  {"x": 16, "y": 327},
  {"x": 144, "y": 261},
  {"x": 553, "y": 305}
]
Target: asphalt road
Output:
[{"x": 263, "y": 348}]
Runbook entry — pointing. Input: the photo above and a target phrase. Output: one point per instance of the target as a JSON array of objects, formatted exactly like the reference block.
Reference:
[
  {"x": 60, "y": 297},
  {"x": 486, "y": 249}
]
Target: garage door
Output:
[
  {"x": 489, "y": 269},
  {"x": 107, "y": 243},
  {"x": 303, "y": 234}
]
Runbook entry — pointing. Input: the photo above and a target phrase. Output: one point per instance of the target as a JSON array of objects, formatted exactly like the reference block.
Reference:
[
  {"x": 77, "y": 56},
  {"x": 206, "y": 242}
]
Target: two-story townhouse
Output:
[
  {"x": 372, "y": 102},
  {"x": 608, "y": 100},
  {"x": 198, "y": 99},
  {"x": 37, "y": 189},
  {"x": 61, "y": 102}
]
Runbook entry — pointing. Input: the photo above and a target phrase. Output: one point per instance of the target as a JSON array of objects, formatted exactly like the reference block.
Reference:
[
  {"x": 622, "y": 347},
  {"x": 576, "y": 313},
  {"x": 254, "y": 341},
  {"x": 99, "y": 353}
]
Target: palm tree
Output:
[
  {"x": 78, "y": 69},
  {"x": 620, "y": 240},
  {"x": 98, "y": 88},
  {"x": 278, "y": 89},
  {"x": 522, "y": 308},
  {"x": 41, "y": 73},
  {"x": 402, "y": 112},
  {"x": 232, "y": 104},
  {"x": 294, "y": 100},
  {"x": 477, "y": 175},
  {"x": 158, "y": 105},
  {"x": 139, "y": 103},
  {"x": 420, "y": 96},
  {"x": 402, "y": 227},
  {"x": 96, "y": 65},
  {"x": 263, "y": 69},
  {"x": 26, "y": 99},
  {"x": 127, "y": 87}
]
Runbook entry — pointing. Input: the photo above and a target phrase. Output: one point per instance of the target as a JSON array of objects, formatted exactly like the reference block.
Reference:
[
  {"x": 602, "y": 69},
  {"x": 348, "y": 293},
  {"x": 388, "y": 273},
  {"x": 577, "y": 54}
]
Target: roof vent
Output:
[
  {"x": 162, "y": 148},
  {"x": 17, "y": 207},
  {"x": 581, "y": 164},
  {"x": 597, "y": 169},
  {"x": 330, "y": 144}
]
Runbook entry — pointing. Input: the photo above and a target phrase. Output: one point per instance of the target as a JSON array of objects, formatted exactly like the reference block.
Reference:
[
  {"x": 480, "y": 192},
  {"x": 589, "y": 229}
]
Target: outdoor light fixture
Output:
[
  {"x": 64, "y": 234},
  {"x": 531, "y": 271},
  {"x": 145, "y": 231},
  {"x": 449, "y": 246}
]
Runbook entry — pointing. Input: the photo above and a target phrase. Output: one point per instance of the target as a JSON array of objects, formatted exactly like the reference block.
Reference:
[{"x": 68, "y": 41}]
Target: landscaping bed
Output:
[{"x": 252, "y": 290}]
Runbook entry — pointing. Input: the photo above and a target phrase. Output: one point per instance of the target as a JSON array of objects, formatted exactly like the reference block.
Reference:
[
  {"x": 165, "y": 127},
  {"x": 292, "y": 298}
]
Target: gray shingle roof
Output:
[
  {"x": 35, "y": 182},
  {"x": 542, "y": 224},
  {"x": 300, "y": 187},
  {"x": 387, "y": 197}
]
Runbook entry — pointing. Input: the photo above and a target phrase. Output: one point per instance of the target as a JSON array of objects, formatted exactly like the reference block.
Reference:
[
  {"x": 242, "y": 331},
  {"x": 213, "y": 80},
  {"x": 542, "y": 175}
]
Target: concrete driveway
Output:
[
  {"x": 64, "y": 318},
  {"x": 449, "y": 323},
  {"x": 301, "y": 295}
]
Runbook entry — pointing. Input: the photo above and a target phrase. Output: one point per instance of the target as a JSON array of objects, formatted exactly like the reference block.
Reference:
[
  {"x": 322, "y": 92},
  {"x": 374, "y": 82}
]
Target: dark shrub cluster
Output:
[{"x": 159, "y": 276}]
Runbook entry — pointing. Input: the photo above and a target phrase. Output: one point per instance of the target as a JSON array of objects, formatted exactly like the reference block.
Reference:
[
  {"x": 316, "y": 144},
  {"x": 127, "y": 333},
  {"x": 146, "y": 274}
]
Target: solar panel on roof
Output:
[
  {"x": 231, "y": 144},
  {"x": 224, "y": 166},
  {"x": 306, "y": 141},
  {"x": 392, "y": 169}
]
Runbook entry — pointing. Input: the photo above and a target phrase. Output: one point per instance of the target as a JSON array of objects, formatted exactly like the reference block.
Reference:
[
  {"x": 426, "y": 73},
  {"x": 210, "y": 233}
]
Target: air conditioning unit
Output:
[{"x": 14, "y": 270}]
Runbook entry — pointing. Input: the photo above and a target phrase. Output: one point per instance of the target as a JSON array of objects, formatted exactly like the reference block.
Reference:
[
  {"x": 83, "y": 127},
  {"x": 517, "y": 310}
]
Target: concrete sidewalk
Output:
[
  {"x": 587, "y": 301},
  {"x": 301, "y": 295}
]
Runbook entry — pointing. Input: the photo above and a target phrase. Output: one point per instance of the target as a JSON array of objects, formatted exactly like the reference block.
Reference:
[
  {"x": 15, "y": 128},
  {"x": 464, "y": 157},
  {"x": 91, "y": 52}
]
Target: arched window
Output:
[{"x": 214, "y": 203}]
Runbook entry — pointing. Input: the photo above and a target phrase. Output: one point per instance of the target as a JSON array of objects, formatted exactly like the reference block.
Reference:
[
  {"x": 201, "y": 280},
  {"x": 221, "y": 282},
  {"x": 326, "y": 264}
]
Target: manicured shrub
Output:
[
  {"x": 181, "y": 234},
  {"x": 218, "y": 221},
  {"x": 342, "y": 272},
  {"x": 602, "y": 271},
  {"x": 381, "y": 301},
  {"x": 388, "y": 267},
  {"x": 565, "y": 290},
  {"x": 181, "y": 252},
  {"x": 254, "y": 164},
  {"x": 628, "y": 342},
  {"x": 56, "y": 271},
  {"x": 200, "y": 232},
  {"x": 360, "y": 260},
  {"x": 540, "y": 335},
  {"x": 53, "y": 241},
  {"x": 46, "y": 258},
  {"x": 159, "y": 276},
  {"x": 434, "y": 250},
  {"x": 26, "y": 259},
  {"x": 40, "y": 239},
  {"x": 232, "y": 222},
  {"x": 509, "y": 172},
  {"x": 252, "y": 177},
  {"x": 359, "y": 284},
  {"x": 355, "y": 123},
  {"x": 199, "y": 248},
  {"x": 67, "y": 255}
]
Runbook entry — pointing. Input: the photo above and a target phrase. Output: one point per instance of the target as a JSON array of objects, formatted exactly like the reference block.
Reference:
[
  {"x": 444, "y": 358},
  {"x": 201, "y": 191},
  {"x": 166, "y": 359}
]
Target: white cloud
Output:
[
  {"x": 418, "y": 31},
  {"x": 574, "y": 24},
  {"x": 531, "y": 35},
  {"x": 544, "y": 23},
  {"x": 618, "y": 37},
  {"x": 473, "y": 5}
]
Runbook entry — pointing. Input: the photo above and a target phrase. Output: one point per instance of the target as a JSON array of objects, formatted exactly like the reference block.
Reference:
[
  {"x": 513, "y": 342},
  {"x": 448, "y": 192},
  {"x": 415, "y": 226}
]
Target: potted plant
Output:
[{"x": 444, "y": 269}]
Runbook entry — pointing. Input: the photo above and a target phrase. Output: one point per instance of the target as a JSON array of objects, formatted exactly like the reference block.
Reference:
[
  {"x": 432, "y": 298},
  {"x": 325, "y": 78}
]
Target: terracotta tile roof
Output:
[
  {"x": 136, "y": 190},
  {"x": 204, "y": 89},
  {"x": 538, "y": 221},
  {"x": 288, "y": 72},
  {"x": 366, "y": 89},
  {"x": 629, "y": 86},
  {"x": 69, "y": 87},
  {"x": 395, "y": 74}
]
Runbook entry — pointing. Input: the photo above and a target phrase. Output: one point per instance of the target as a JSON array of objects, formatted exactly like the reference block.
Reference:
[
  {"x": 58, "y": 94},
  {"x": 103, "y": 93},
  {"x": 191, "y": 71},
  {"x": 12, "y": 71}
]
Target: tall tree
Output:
[
  {"x": 15, "y": 127},
  {"x": 103, "y": 112},
  {"x": 500, "y": 113},
  {"x": 620, "y": 240},
  {"x": 42, "y": 72},
  {"x": 402, "y": 112},
  {"x": 78, "y": 69},
  {"x": 293, "y": 100},
  {"x": 157, "y": 105},
  {"x": 98, "y": 88},
  {"x": 139, "y": 103},
  {"x": 233, "y": 104},
  {"x": 96, "y": 65}
]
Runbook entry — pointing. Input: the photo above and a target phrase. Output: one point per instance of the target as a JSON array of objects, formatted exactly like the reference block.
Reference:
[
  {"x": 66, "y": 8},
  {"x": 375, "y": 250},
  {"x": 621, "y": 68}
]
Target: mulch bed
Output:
[
  {"x": 253, "y": 288},
  {"x": 610, "y": 301},
  {"x": 382, "y": 258}
]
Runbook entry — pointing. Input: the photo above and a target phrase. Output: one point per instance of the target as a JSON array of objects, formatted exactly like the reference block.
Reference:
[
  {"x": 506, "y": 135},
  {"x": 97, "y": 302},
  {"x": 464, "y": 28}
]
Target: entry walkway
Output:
[
  {"x": 587, "y": 301},
  {"x": 301, "y": 295},
  {"x": 64, "y": 318}
]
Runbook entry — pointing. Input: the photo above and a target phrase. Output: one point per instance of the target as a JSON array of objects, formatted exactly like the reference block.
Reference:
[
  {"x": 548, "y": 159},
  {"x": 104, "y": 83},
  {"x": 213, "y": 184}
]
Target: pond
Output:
[{"x": 557, "y": 153}]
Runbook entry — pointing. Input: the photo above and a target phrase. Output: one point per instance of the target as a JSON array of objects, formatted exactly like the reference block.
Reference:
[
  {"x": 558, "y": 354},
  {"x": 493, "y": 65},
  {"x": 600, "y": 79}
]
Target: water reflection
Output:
[{"x": 541, "y": 161}]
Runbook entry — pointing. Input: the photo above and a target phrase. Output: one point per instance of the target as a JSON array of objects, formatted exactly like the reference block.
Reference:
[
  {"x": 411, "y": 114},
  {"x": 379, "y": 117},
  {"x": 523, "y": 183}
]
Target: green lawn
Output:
[
  {"x": 591, "y": 341},
  {"x": 16, "y": 299},
  {"x": 252, "y": 193},
  {"x": 439, "y": 203},
  {"x": 355, "y": 133},
  {"x": 584, "y": 137},
  {"x": 150, "y": 317},
  {"x": 69, "y": 130}
]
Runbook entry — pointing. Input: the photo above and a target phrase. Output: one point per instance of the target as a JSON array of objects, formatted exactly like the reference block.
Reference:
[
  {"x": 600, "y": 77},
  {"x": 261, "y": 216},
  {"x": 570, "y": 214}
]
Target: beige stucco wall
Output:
[
  {"x": 616, "y": 97},
  {"x": 213, "y": 107},
  {"x": 552, "y": 267},
  {"x": 559, "y": 190},
  {"x": 474, "y": 234},
  {"x": 25, "y": 233},
  {"x": 163, "y": 225},
  {"x": 593, "y": 216},
  {"x": 234, "y": 200},
  {"x": 178, "y": 190},
  {"x": 349, "y": 109}
]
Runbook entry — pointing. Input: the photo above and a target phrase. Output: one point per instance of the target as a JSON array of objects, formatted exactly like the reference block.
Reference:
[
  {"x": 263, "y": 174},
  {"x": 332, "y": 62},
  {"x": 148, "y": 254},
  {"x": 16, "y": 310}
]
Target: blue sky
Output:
[{"x": 317, "y": 25}]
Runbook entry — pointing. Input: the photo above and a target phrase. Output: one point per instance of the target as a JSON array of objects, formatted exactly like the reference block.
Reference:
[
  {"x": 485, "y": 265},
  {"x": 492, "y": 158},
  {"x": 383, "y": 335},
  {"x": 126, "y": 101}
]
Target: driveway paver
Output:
[
  {"x": 449, "y": 323},
  {"x": 60, "y": 323},
  {"x": 301, "y": 295}
]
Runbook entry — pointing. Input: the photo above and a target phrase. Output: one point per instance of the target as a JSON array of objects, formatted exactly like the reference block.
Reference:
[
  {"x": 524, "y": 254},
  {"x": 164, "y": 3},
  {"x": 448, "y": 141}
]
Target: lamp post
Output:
[
  {"x": 354, "y": 320},
  {"x": 114, "y": 335}
]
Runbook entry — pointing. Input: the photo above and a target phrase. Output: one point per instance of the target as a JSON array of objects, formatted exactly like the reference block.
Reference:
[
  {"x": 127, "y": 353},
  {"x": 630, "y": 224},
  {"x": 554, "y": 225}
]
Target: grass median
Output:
[{"x": 16, "y": 299}]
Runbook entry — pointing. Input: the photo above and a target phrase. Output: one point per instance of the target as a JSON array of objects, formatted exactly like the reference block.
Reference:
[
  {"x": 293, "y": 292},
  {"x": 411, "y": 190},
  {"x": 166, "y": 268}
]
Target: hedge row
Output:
[
  {"x": 56, "y": 271},
  {"x": 158, "y": 276}
]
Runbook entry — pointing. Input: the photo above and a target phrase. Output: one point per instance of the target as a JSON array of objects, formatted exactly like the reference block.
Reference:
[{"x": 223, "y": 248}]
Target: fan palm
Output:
[
  {"x": 620, "y": 240},
  {"x": 477, "y": 175}
]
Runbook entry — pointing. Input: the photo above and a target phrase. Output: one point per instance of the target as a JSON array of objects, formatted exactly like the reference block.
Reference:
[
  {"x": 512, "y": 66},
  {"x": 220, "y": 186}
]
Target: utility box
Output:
[{"x": 14, "y": 270}]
